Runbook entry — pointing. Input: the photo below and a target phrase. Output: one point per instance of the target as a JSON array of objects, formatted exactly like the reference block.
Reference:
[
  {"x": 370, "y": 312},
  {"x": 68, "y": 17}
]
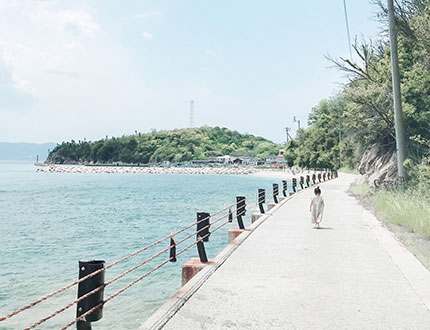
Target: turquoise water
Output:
[{"x": 50, "y": 221}]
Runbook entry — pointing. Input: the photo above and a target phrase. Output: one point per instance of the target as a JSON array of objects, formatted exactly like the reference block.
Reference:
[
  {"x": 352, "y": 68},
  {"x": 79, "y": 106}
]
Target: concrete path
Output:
[{"x": 353, "y": 274}]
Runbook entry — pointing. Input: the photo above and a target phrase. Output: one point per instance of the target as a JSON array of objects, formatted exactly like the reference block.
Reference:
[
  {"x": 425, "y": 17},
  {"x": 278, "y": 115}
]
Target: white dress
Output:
[{"x": 317, "y": 209}]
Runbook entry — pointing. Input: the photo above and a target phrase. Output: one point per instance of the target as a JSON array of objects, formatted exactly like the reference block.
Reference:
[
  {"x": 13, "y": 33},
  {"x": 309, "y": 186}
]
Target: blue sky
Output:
[{"x": 75, "y": 69}]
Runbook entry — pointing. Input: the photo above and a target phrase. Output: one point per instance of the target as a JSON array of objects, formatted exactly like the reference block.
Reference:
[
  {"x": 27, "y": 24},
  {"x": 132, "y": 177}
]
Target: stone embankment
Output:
[
  {"x": 146, "y": 170},
  {"x": 377, "y": 164}
]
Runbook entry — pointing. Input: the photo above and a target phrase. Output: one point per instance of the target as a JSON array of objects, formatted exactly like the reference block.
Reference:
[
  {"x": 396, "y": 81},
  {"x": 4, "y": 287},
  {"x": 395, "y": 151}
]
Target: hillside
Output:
[{"x": 177, "y": 145}]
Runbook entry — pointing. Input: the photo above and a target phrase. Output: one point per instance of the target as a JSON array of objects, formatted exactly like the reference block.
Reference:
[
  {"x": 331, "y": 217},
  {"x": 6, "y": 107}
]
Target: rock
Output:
[{"x": 378, "y": 164}]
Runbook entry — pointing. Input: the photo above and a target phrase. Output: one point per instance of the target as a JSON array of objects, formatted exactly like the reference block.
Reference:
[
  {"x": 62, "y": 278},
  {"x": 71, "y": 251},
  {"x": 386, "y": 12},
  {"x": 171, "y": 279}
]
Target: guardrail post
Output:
[
  {"x": 284, "y": 187},
  {"x": 275, "y": 192},
  {"x": 324, "y": 176},
  {"x": 314, "y": 178},
  {"x": 172, "y": 253},
  {"x": 87, "y": 267},
  {"x": 294, "y": 184},
  {"x": 241, "y": 210},
  {"x": 302, "y": 181},
  {"x": 319, "y": 177},
  {"x": 261, "y": 199},
  {"x": 202, "y": 234},
  {"x": 308, "y": 179}
]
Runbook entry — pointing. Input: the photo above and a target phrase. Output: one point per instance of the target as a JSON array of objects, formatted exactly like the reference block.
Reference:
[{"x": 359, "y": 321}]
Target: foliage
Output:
[
  {"x": 318, "y": 145},
  {"x": 178, "y": 145},
  {"x": 363, "y": 110}
]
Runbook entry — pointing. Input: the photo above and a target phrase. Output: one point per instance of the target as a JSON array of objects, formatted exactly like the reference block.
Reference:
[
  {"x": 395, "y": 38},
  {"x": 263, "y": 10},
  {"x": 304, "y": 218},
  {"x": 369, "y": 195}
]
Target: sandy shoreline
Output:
[{"x": 271, "y": 173}]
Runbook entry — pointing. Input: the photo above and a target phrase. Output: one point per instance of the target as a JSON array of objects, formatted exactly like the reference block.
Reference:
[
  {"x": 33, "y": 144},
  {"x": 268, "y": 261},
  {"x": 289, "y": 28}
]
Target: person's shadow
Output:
[{"x": 325, "y": 228}]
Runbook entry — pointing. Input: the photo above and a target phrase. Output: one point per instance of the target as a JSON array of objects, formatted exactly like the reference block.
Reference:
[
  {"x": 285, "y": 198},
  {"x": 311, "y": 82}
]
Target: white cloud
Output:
[
  {"x": 210, "y": 52},
  {"x": 144, "y": 16},
  {"x": 77, "y": 21},
  {"x": 14, "y": 90},
  {"x": 147, "y": 35}
]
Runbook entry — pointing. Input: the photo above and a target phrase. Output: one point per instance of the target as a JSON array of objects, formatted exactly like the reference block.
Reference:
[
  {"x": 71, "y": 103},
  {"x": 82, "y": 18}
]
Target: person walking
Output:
[{"x": 316, "y": 208}]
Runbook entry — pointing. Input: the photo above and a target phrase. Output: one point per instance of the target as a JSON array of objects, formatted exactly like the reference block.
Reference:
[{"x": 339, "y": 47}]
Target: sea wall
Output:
[{"x": 146, "y": 170}]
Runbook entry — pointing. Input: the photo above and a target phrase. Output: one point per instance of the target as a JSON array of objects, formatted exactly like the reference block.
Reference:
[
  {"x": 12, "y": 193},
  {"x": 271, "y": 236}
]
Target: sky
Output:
[{"x": 86, "y": 69}]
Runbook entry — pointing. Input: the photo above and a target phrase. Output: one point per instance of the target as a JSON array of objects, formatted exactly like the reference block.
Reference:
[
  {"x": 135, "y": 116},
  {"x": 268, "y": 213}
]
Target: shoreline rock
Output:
[{"x": 82, "y": 169}]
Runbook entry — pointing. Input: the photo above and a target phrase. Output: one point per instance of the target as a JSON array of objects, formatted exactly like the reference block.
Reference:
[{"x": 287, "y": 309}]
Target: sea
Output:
[{"x": 50, "y": 221}]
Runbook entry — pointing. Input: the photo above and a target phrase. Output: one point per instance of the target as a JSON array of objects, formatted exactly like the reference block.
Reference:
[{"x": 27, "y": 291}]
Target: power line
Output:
[{"x": 347, "y": 29}]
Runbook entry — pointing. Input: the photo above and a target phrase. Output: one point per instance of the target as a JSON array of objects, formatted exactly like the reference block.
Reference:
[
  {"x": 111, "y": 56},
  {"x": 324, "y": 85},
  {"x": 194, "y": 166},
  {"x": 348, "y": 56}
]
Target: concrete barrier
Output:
[
  {"x": 233, "y": 233},
  {"x": 271, "y": 206},
  {"x": 256, "y": 216},
  {"x": 192, "y": 267}
]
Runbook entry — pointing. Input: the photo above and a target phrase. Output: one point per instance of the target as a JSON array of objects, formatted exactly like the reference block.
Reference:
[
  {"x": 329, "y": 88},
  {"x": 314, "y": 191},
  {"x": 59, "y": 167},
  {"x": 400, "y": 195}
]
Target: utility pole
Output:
[
  {"x": 297, "y": 121},
  {"x": 287, "y": 131},
  {"x": 347, "y": 29},
  {"x": 340, "y": 136},
  {"x": 398, "y": 115},
  {"x": 191, "y": 113}
]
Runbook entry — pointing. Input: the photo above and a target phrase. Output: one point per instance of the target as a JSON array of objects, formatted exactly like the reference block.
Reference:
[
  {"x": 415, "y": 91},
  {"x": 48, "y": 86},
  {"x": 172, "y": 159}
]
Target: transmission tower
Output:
[
  {"x": 191, "y": 113},
  {"x": 287, "y": 131}
]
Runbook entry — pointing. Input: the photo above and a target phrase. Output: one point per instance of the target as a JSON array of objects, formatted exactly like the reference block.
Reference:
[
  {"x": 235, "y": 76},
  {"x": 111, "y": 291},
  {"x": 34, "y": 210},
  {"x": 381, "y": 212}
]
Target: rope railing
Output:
[
  {"x": 202, "y": 235},
  {"x": 87, "y": 277},
  {"x": 143, "y": 276},
  {"x": 52, "y": 294}
]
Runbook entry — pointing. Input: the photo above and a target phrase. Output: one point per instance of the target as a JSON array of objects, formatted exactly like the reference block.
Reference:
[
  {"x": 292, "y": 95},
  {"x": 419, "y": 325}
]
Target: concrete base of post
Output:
[
  {"x": 256, "y": 216},
  {"x": 233, "y": 233},
  {"x": 271, "y": 206},
  {"x": 281, "y": 198},
  {"x": 292, "y": 193},
  {"x": 191, "y": 268}
]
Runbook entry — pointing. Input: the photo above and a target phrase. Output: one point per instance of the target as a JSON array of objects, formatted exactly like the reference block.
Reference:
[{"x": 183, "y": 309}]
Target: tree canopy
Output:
[
  {"x": 362, "y": 113},
  {"x": 177, "y": 145}
]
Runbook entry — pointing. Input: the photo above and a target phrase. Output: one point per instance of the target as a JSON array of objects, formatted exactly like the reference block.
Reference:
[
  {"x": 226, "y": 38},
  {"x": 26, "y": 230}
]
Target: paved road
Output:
[{"x": 352, "y": 274}]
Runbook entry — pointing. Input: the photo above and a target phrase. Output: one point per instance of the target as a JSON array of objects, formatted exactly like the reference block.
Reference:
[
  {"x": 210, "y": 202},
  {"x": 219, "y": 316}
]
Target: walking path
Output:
[{"x": 351, "y": 274}]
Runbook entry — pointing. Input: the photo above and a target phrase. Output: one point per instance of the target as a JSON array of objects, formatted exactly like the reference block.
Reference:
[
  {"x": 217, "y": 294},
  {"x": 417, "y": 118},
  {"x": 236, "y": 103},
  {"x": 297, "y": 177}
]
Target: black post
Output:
[
  {"x": 314, "y": 178},
  {"x": 84, "y": 287},
  {"x": 203, "y": 225},
  {"x": 319, "y": 177},
  {"x": 308, "y": 179},
  {"x": 201, "y": 250},
  {"x": 275, "y": 192},
  {"x": 284, "y": 188},
  {"x": 324, "y": 176},
  {"x": 302, "y": 181},
  {"x": 261, "y": 199},
  {"x": 294, "y": 183},
  {"x": 241, "y": 210},
  {"x": 172, "y": 256}
]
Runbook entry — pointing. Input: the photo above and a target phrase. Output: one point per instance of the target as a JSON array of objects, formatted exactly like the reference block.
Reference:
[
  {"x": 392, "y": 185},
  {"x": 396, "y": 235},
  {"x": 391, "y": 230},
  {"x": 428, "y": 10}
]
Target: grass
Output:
[
  {"x": 406, "y": 214},
  {"x": 410, "y": 210},
  {"x": 346, "y": 169}
]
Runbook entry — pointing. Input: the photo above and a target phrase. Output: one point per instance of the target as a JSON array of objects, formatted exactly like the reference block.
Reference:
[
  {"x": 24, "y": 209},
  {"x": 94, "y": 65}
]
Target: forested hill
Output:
[{"x": 177, "y": 145}]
